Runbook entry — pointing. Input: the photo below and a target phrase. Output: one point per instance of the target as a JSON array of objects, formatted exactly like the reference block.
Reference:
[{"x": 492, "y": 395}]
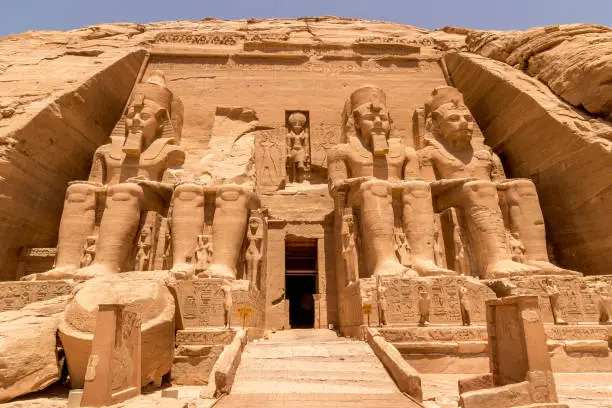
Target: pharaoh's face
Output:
[
  {"x": 296, "y": 127},
  {"x": 372, "y": 121},
  {"x": 142, "y": 119},
  {"x": 455, "y": 123}
]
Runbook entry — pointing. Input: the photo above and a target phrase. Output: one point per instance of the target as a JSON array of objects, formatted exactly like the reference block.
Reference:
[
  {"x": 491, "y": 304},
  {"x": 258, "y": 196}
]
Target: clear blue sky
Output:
[{"x": 21, "y": 15}]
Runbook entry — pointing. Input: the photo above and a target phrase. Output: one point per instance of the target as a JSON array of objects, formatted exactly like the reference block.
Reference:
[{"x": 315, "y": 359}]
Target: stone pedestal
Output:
[
  {"x": 197, "y": 351},
  {"x": 113, "y": 368},
  {"x": 401, "y": 303},
  {"x": 521, "y": 372}
]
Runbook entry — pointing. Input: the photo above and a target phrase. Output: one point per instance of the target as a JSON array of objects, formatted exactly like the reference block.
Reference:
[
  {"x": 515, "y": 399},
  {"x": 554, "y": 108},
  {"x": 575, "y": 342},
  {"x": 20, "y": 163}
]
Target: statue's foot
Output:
[
  {"x": 547, "y": 268},
  {"x": 182, "y": 271},
  {"x": 60, "y": 273},
  {"x": 426, "y": 267},
  {"x": 506, "y": 268},
  {"x": 560, "y": 322},
  {"x": 92, "y": 271},
  {"x": 393, "y": 268},
  {"x": 221, "y": 271}
]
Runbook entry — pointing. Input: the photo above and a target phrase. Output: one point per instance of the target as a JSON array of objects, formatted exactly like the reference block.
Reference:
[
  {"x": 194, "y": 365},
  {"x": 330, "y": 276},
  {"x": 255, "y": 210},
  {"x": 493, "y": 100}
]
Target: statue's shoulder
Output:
[{"x": 339, "y": 152}]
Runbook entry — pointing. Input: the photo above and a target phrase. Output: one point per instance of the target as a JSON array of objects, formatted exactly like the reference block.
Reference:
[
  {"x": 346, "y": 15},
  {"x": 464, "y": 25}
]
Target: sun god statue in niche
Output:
[
  {"x": 369, "y": 168},
  {"x": 298, "y": 157},
  {"x": 126, "y": 178},
  {"x": 472, "y": 180}
]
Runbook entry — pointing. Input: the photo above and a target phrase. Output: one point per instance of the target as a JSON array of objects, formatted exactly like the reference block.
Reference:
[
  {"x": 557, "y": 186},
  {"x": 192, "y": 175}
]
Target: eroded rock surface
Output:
[
  {"x": 28, "y": 348},
  {"x": 574, "y": 60}
]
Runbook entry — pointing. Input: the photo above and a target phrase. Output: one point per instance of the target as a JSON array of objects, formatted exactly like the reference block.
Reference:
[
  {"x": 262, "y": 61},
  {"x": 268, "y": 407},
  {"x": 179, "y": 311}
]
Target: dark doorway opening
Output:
[{"x": 301, "y": 281}]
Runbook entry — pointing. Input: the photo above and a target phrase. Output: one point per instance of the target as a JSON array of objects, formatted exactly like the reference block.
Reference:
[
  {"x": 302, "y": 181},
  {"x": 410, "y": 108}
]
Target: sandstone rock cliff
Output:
[{"x": 574, "y": 60}]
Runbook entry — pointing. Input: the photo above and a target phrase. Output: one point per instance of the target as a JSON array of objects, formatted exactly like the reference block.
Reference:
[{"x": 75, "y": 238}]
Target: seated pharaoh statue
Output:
[
  {"x": 125, "y": 180},
  {"x": 366, "y": 172},
  {"x": 493, "y": 209}
]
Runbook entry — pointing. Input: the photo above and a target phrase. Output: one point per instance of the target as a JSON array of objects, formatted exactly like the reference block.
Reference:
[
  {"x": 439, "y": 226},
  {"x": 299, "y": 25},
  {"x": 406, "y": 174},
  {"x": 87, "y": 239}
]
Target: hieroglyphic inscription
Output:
[
  {"x": 38, "y": 252},
  {"x": 204, "y": 337},
  {"x": 420, "y": 334},
  {"x": 198, "y": 39},
  {"x": 402, "y": 296},
  {"x": 201, "y": 303},
  {"x": 509, "y": 355},
  {"x": 15, "y": 295},
  {"x": 578, "y": 301}
]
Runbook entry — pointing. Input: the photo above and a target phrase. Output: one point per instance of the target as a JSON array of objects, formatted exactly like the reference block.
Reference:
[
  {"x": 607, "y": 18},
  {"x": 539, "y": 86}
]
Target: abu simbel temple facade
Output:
[{"x": 319, "y": 211}]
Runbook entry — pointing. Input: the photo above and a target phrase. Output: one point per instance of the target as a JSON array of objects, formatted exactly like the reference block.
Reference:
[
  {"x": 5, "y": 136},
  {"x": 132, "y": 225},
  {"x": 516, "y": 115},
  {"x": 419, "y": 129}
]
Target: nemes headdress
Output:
[
  {"x": 154, "y": 89},
  {"x": 441, "y": 96},
  {"x": 368, "y": 94}
]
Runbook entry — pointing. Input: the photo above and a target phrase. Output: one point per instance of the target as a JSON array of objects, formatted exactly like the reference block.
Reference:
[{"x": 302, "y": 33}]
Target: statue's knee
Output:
[
  {"x": 232, "y": 193},
  {"x": 525, "y": 187},
  {"x": 80, "y": 192},
  {"x": 125, "y": 192},
  {"x": 379, "y": 188},
  {"x": 187, "y": 192}
]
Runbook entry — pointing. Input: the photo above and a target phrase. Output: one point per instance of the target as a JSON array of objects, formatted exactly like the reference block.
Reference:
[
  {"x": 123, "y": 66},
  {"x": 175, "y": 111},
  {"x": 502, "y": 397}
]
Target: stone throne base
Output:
[
  {"x": 200, "y": 303},
  {"x": 402, "y": 298}
]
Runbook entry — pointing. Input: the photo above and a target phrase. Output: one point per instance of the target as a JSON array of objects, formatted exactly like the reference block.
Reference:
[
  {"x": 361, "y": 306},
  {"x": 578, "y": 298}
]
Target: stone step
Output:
[{"x": 307, "y": 400}]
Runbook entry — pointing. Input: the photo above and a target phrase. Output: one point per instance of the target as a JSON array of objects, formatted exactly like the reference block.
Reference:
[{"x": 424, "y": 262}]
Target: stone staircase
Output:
[{"x": 312, "y": 367}]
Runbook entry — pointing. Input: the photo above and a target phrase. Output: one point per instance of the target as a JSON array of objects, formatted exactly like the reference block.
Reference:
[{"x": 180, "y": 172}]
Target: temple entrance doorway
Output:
[{"x": 301, "y": 281}]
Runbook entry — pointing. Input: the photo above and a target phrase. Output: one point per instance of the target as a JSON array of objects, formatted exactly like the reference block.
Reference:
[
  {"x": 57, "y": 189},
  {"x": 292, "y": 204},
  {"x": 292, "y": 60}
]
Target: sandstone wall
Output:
[{"x": 566, "y": 153}]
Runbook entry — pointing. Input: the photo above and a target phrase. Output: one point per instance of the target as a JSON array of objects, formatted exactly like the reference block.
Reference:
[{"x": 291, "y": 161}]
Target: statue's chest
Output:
[
  {"x": 118, "y": 170},
  {"x": 364, "y": 164},
  {"x": 478, "y": 165}
]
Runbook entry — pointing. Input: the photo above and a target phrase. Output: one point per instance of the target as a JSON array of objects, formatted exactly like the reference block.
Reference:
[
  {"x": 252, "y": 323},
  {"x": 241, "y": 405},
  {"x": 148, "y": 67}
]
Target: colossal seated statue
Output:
[
  {"x": 368, "y": 170},
  {"x": 125, "y": 180},
  {"x": 472, "y": 180}
]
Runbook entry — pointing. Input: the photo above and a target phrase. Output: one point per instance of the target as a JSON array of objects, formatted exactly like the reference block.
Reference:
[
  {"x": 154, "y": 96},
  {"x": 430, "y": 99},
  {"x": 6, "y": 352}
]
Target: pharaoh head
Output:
[
  {"x": 147, "y": 113},
  {"x": 366, "y": 115},
  {"x": 450, "y": 117},
  {"x": 297, "y": 121}
]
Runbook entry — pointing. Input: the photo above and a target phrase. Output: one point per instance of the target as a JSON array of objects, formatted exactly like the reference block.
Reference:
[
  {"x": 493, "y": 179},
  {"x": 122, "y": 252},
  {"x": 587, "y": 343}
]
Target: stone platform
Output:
[{"x": 463, "y": 349}]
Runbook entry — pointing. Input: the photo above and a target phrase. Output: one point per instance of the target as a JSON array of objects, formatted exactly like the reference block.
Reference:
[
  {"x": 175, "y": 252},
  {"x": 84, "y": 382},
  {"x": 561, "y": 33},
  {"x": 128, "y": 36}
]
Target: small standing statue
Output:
[
  {"x": 143, "y": 248},
  {"x": 555, "y": 304},
  {"x": 424, "y": 306},
  {"x": 253, "y": 252},
  {"x": 438, "y": 255},
  {"x": 227, "y": 305},
  {"x": 460, "y": 266},
  {"x": 297, "y": 147},
  {"x": 466, "y": 306},
  {"x": 89, "y": 251},
  {"x": 402, "y": 248},
  {"x": 167, "y": 255},
  {"x": 349, "y": 248},
  {"x": 203, "y": 253},
  {"x": 605, "y": 305},
  {"x": 382, "y": 302},
  {"x": 517, "y": 248}
]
